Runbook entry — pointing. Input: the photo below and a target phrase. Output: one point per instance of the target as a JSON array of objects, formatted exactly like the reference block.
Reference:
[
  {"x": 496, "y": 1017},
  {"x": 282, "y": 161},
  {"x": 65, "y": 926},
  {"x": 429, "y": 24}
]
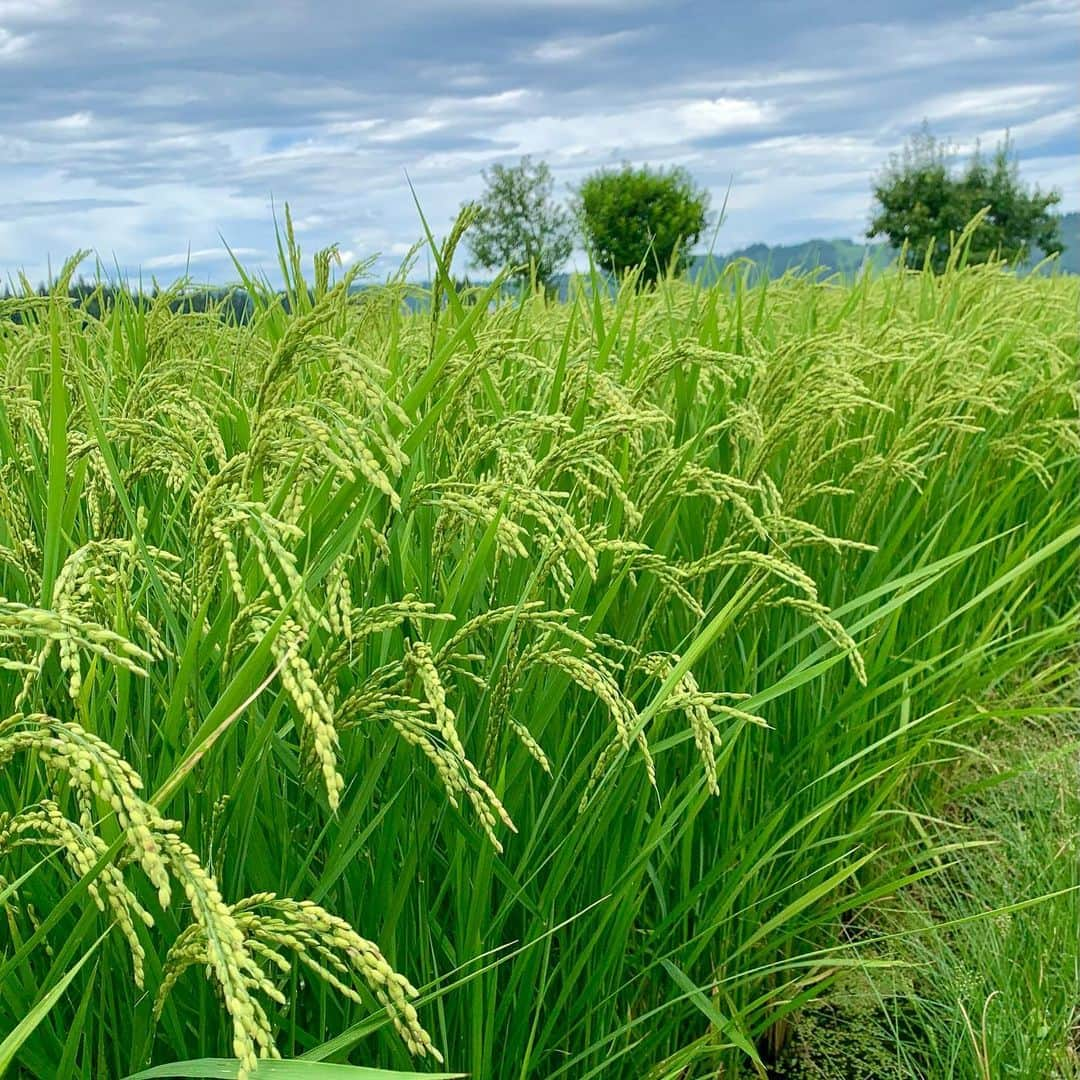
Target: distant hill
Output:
[
  {"x": 1070, "y": 237},
  {"x": 829, "y": 256},
  {"x": 842, "y": 256}
]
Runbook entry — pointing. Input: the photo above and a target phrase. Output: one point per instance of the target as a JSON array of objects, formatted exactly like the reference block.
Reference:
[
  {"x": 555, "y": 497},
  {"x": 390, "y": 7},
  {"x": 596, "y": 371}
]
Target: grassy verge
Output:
[{"x": 976, "y": 995}]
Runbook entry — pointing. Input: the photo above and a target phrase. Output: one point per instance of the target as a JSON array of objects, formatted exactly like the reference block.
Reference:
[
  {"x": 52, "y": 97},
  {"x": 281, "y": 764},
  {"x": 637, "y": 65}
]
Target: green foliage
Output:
[
  {"x": 519, "y": 224},
  {"x": 642, "y": 217},
  {"x": 850, "y": 1031},
  {"x": 923, "y": 206},
  {"x": 580, "y": 656}
]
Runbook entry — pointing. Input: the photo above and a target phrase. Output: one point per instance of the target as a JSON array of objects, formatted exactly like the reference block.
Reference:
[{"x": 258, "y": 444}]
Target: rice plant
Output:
[{"x": 536, "y": 688}]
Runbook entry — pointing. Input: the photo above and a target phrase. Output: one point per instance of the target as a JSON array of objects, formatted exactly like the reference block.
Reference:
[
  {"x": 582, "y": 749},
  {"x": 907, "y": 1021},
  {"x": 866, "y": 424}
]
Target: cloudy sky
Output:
[{"x": 147, "y": 131}]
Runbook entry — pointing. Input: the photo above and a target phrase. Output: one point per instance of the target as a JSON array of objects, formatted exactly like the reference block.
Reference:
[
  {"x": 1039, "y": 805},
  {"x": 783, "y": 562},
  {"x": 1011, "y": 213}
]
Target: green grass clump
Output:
[
  {"x": 1001, "y": 996},
  {"x": 581, "y": 657},
  {"x": 973, "y": 980}
]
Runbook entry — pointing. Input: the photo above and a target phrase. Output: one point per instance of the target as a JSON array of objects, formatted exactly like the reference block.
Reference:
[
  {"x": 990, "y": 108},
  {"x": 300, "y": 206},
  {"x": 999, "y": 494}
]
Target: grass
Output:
[
  {"x": 973, "y": 996},
  {"x": 585, "y": 658},
  {"x": 999, "y": 997}
]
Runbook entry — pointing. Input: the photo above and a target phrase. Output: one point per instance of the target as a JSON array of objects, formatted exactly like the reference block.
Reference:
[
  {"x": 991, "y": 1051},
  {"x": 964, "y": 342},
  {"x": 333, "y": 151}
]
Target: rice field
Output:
[{"x": 505, "y": 688}]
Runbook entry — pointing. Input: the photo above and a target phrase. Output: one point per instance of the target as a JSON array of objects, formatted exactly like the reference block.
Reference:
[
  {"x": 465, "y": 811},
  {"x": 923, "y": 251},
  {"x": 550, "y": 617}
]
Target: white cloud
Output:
[
  {"x": 308, "y": 222},
  {"x": 767, "y": 79},
  {"x": 408, "y": 128},
  {"x": 35, "y": 10},
  {"x": 12, "y": 44},
  {"x": 1056, "y": 172},
  {"x": 1023, "y": 135},
  {"x": 77, "y": 121},
  {"x": 1003, "y": 101},
  {"x": 597, "y": 135},
  {"x": 720, "y": 115},
  {"x": 577, "y": 5},
  {"x": 353, "y": 127},
  {"x": 180, "y": 259},
  {"x": 1056, "y": 12},
  {"x": 561, "y": 50},
  {"x": 505, "y": 99}
]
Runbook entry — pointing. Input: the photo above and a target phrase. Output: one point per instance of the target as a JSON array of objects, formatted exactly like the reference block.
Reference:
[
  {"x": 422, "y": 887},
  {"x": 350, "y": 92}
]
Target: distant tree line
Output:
[
  {"x": 646, "y": 221},
  {"x": 95, "y": 299}
]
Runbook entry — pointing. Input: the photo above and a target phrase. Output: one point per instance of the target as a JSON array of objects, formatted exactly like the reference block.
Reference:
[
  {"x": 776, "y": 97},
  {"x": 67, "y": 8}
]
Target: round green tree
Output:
[
  {"x": 643, "y": 217},
  {"x": 924, "y": 204}
]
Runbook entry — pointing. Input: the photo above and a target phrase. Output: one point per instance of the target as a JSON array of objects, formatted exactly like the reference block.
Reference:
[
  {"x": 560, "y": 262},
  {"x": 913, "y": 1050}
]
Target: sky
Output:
[{"x": 155, "y": 133}]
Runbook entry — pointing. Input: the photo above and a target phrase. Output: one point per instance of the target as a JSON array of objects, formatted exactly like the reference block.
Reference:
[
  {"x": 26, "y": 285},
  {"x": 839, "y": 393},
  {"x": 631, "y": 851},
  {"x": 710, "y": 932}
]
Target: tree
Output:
[
  {"x": 642, "y": 217},
  {"x": 519, "y": 224},
  {"x": 921, "y": 202}
]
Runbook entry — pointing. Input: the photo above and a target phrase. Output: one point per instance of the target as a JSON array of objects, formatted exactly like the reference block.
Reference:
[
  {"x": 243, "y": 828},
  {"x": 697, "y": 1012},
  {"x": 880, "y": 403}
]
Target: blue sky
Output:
[{"x": 147, "y": 130}]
